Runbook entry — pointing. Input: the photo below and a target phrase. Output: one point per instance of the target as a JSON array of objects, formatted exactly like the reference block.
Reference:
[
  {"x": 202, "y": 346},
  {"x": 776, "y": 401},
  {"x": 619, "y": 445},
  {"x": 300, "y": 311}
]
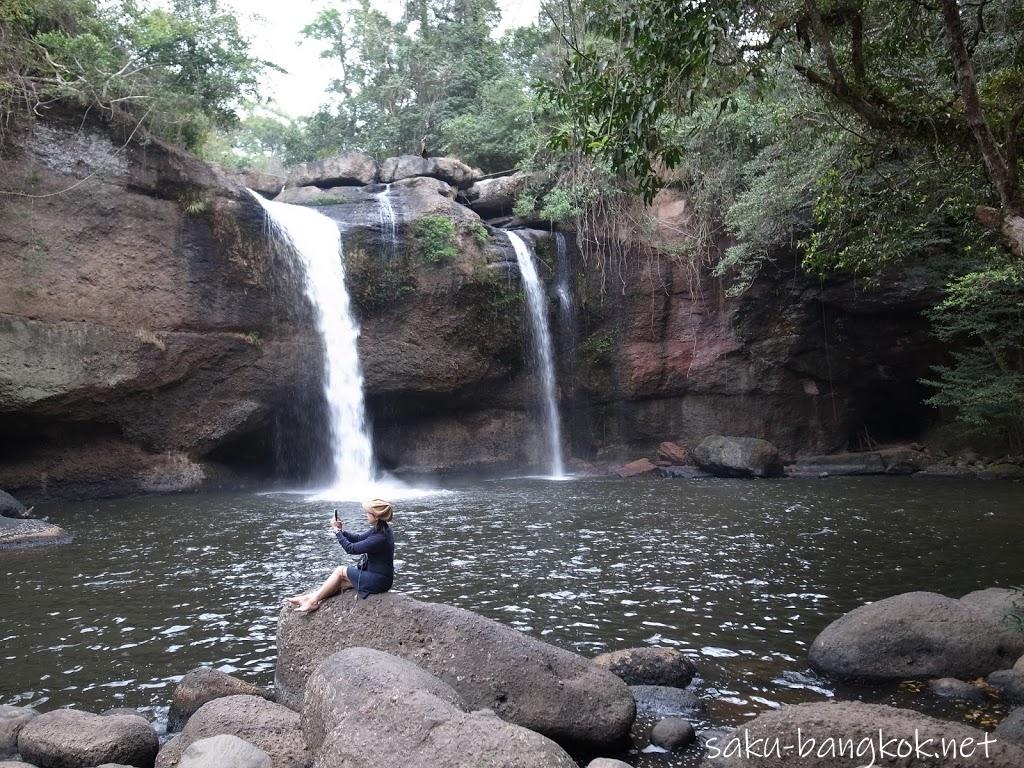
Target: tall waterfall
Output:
[
  {"x": 542, "y": 351},
  {"x": 316, "y": 242}
]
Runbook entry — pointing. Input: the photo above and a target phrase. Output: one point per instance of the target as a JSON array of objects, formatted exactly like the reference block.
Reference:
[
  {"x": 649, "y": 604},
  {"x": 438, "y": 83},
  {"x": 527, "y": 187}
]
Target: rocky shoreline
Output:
[{"x": 402, "y": 682}]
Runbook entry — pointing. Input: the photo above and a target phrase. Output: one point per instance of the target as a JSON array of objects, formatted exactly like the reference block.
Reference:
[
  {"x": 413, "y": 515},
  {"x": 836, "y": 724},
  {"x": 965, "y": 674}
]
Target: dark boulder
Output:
[
  {"x": 1010, "y": 685},
  {"x": 497, "y": 196},
  {"x": 11, "y": 507},
  {"x": 648, "y": 666},
  {"x": 1012, "y": 727},
  {"x": 917, "y": 634},
  {"x": 203, "y": 685},
  {"x": 959, "y": 690},
  {"x": 738, "y": 457},
  {"x": 524, "y": 680},
  {"x": 67, "y": 738},
  {"x": 12, "y": 720},
  {"x": 666, "y": 701},
  {"x": 271, "y": 727},
  {"x": 673, "y": 733}
]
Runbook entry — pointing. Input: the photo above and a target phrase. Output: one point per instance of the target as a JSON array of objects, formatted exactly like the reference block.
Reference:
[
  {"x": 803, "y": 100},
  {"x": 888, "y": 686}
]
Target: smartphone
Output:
[{"x": 335, "y": 515}]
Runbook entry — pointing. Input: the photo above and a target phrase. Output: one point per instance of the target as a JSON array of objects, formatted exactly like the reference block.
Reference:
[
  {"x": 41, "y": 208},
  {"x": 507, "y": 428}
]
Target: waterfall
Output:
[
  {"x": 387, "y": 219},
  {"x": 542, "y": 350},
  {"x": 316, "y": 243}
]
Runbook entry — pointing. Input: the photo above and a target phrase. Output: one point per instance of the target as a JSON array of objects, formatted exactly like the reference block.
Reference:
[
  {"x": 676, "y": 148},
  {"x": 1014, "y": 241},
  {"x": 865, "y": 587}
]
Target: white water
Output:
[
  {"x": 316, "y": 242},
  {"x": 387, "y": 219},
  {"x": 542, "y": 352}
]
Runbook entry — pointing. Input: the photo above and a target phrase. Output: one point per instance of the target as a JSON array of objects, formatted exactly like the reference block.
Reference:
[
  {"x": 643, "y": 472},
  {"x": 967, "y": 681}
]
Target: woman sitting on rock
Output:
[{"x": 374, "y": 574}]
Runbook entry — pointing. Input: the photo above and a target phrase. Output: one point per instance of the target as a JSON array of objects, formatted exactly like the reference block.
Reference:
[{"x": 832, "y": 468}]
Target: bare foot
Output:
[
  {"x": 308, "y": 606},
  {"x": 297, "y": 600}
]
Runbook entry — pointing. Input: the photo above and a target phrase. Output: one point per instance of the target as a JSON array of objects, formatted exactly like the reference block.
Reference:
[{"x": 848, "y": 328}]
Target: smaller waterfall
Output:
[
  {"x": 542, "y": 351},
  {"x": 316, "y": 242},
  {"x": 388, "y": 221},
  {"x": 563, "y": 284}
]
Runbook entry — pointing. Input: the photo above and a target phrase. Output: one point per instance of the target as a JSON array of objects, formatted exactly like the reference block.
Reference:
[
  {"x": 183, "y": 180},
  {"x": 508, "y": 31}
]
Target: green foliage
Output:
[
  {"x": 377, "y": 279},
  {"x": 479, "y": 233},
  {"x": 433, "y": 239},
  {"x": 597, "y": 350},
  {"x": 982, "y": 315},
  {"x": 180, "y": 71}
]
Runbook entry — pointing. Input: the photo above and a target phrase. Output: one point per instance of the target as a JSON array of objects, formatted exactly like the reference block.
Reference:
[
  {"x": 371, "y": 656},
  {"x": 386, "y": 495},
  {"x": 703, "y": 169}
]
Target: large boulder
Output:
[
  {"x": 313, "y": 195},
  {"x": 1012, "y": 728},
  {"x": 496, "y": 197},
  {"x": 1010, "y": 684},
  {"x": 524, "y": 680},
  {"x": 18, "y": 534},
  {"x": 358, "y": 695},
  {"x": 916, "y": 634},
  {"x": 447, "y": 169},
  {"x": 11, "y": 507},
  {"x": 200, "y": 686},
  {"x": 648, "y": 666},
  {"x": 673, "y": 733},
  {"x": 811, "y": 735},
  {"x": 346, "y": 169},
  {"x": 223, "y": 751},
  {"x": 738, "y": 457},
  {"x": 67, "y": 738},
  {"x": 1004, "y": 607},
  {"x": 12, "y": 720},
  {"x": 273, "y": 728}
]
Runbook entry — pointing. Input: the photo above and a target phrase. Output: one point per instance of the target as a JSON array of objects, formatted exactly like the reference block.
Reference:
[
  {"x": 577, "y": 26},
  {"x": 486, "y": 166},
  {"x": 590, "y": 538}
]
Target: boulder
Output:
[
  {"x": 524, "y": 680},
  {"x": 684, "y": 473},
  {"x": 67, "y": 738},
  {"x": 203, "y": 685},
  {"x": 675, "y": 454},
  {"x": 496, "y": 197},
  {"x": 648, "y": 666},
  {"x": 17, "y": 764},
  {"x": 1004, "y": 607},
  {"x": 838, "y": 464},
  {"x": 358, "y": 694},
  {"x": 815, "y": 732},
  {"x": 1009, "y": 683},
  {"x": 124, "y": 711},
  {"x": 673, "y": 733},
  {"x": 917, "y": 634},
  {"x": 356, "y": 674},
  {"x": 601, "y": 762},
  {"x": 12, "y": 720},
  {"x": 21, "y": 534},
  {"x": 635, "y": 468},
  {"x": 271, "y": 727},
  {"x": 312, "y": 195},
  {"x": 738, "y": 457},
  {"x": 1012, "y": 727},
  {"x": 903, "y": 461},
  {"x": 267, "y": 184},
  {"x": 959, "y": 690},
  {"x": 665, "y": 701},
  {"x": 447, "y": 169},
  {"x": 224, "y": 752},
  {"x": 11, "y": 507},
  {"x": 346, "y": 169}
]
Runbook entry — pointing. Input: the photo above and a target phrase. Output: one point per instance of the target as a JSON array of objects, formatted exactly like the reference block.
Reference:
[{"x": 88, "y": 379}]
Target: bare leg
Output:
[{"x": 336, "y": 582}]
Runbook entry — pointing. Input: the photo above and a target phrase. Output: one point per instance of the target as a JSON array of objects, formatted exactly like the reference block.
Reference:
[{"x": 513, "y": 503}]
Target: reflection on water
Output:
[{"x": 740, "y": 575}]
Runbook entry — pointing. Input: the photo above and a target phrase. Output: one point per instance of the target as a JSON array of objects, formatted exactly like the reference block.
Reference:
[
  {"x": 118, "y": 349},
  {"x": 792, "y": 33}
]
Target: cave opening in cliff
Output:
[{"x": 892, "y": 412}]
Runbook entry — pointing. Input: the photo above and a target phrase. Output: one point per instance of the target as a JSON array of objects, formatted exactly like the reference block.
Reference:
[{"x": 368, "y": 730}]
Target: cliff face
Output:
[
  {"x": 150, "y": 338},
  {"x": 145, "y": 328}
]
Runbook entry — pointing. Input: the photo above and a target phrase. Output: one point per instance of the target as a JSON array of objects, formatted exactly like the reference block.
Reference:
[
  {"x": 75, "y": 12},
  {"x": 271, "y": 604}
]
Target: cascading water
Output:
[
  {"x": 388, "y": 221},
  {"x": 542, "y": 351},
  {"x": 316, "y": 242}
]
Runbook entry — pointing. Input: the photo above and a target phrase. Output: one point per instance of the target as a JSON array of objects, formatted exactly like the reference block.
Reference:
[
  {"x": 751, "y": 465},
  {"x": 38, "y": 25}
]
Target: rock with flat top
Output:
[
  {"x": 67, "y": 738},
  {"x": 648, "y": 666},
  {"x": 738, "y": 457},
  {"x": 447, "y": 169},
  {"x": 346, "y": 169}
]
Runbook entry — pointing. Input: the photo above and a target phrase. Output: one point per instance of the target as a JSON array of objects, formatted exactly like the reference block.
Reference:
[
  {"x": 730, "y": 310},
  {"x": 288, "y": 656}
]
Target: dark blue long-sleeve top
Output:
[{"x": 378, "y": 544}]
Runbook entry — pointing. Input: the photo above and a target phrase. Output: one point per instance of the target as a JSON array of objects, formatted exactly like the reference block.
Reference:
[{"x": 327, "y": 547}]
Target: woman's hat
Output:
[{"x": 379, "y": 508}]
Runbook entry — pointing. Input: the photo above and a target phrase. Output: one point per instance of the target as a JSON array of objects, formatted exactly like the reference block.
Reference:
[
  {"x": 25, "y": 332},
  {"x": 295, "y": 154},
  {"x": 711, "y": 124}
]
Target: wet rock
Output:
[
  {"x": 684, "y": 473},
  {"x": 1012, "y": 727},
  {"x": 952, "y": 688},
  {"x": 635, "y": 468},
  {"x": 271, "y": 727},
  {"x": 738, "y": 457},
  {"x": 200, "y": 686},
  {"x": 838, "y": 464},
  {"x": 349, "y": 168},
  {"x": 649, "y": 666},
  {"x": 358, "y": 674},
  {"x": 1002, "y": 607},
  {"x": 665, "y": 701},
  {"x": 903, "y": 461},
  {"x": 601, "y": 762},
  {"x": 524, "y": 680},
  {"x": 12, "y": 720},
  {"x": 828, "y": 722},
  {"x": 360, "y": 703},
  {"x": 68, "y": 738},
  {"x": 447, "y": 169},
  {"x": 917, "y": 634},
  {"x": 11, "y": 507},
  {"x": 224, "y": 752},
  {"x": 21, "y": 534},
  {"x": 673, "y": 733},
  {"x": 496, "y": 197},
  {"x": 1009, "y": 683},
  {"x": 675, "y": 454}
]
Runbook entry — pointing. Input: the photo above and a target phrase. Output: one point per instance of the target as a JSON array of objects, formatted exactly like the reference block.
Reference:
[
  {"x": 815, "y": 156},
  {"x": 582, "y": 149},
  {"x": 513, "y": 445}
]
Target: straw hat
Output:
[{"x": 380, "y": 509}]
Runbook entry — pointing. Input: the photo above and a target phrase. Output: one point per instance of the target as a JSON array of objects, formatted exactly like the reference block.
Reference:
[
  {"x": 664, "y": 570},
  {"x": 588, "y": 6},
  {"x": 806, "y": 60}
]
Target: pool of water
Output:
[{"x": 739, "y": 575}]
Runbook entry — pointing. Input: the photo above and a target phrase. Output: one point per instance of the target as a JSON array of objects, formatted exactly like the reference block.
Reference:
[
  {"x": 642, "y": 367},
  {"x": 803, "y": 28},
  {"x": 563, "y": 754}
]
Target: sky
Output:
[{"x": 275, "y": 29}]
